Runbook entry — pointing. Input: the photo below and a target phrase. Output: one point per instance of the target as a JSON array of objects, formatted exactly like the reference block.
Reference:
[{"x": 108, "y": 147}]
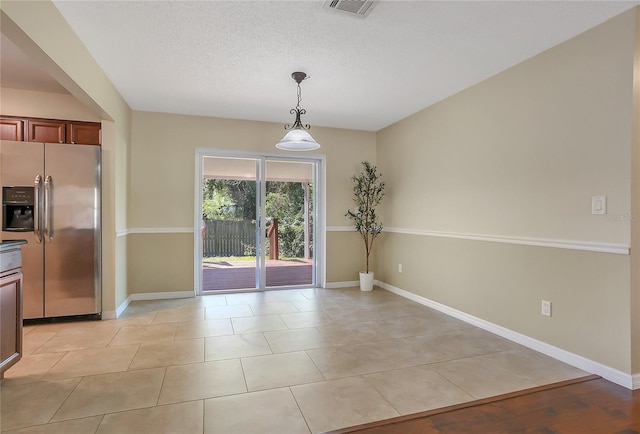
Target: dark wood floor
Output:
[
  {"x": 590, "y": 405},
  {"x": 242, "y": 275}
]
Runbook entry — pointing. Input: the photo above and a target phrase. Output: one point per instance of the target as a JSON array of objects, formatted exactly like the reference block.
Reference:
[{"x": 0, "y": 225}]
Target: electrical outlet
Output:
[
  {"x": 546, "y": 308},
  {"x": 399, "y": 268}
]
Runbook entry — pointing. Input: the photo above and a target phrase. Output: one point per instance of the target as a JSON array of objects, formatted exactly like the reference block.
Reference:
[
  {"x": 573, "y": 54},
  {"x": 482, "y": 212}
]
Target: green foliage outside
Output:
[
  {"x": 228, "y": 199},
  {"x": 235, "y": 200},
  {"x": 285, "y": 201}
]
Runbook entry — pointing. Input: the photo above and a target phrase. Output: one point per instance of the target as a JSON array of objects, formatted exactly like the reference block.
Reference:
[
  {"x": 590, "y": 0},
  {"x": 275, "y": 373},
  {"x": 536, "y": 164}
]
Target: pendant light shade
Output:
[{"x": 298, "y": 139}]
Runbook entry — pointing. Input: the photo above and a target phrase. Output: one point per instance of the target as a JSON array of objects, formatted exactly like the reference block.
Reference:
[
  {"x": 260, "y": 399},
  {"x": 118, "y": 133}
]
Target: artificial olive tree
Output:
[{"x": 368, "y": 191}]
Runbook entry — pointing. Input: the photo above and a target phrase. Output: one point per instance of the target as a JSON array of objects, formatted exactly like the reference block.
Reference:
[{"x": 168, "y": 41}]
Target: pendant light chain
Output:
[
  {"x": 297, "y": 124},
  {"x": 299, "y": 96}
]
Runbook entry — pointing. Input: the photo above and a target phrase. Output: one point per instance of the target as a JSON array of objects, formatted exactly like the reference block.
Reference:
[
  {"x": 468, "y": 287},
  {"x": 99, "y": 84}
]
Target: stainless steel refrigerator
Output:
[{"x": 51, "y": 198}]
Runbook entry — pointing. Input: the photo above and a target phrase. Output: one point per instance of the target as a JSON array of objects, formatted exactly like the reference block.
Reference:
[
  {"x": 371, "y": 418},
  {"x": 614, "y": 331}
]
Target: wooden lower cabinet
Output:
[{"x": 10, "y": 321}]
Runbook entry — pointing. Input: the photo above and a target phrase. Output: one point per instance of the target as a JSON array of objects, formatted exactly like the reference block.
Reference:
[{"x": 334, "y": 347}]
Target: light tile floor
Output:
[{"x": 280, "y": 362}]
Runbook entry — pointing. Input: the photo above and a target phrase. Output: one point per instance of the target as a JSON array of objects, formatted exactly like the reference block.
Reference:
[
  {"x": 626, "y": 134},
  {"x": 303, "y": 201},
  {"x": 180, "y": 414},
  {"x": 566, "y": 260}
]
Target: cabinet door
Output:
[
  {"x": 11, "y": 129},
  {"x": 10, "y": 321},
  {"x": 46, "y": 131},
  {"x": 83, "y": 133}
]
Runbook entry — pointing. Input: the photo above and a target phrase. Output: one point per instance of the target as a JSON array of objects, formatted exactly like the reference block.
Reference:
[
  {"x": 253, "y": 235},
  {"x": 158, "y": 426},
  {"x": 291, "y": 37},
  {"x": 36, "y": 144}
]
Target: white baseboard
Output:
[
  {"x": 347, "y": 284},
  {"x": 635, "y": 381},
  {"x": 611, "y": 374},
  {"x": 109, "y": 314},
  {"x": 122, "y": 307},
  {"x": 146, "y": 296},
  {"x": 162, "y": 295}
]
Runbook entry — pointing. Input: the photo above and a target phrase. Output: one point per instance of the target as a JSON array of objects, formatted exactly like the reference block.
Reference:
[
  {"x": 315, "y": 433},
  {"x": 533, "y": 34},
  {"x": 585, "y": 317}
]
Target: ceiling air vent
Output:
[{"x": 360, "y": 8}]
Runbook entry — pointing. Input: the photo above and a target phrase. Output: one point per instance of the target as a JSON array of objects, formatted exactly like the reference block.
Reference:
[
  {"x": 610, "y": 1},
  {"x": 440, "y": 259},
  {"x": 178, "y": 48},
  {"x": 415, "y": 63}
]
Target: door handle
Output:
[
  {"x": 48, "y": 199},
  {"x": 36, "y": 209}
]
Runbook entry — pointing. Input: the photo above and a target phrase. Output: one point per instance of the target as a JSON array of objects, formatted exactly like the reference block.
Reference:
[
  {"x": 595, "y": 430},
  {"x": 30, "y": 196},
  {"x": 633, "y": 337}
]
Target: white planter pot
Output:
[{"x": 366, "y": 281}]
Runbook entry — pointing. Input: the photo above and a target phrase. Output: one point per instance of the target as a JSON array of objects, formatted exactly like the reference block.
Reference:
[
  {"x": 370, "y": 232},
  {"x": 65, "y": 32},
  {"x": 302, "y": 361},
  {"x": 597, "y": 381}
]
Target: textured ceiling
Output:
[{"x": 233, "y": 59}]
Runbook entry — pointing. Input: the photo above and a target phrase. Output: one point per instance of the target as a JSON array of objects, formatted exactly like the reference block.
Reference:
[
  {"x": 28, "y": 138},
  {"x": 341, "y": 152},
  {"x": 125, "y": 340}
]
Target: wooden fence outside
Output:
[{"x": 229, "y": 238}]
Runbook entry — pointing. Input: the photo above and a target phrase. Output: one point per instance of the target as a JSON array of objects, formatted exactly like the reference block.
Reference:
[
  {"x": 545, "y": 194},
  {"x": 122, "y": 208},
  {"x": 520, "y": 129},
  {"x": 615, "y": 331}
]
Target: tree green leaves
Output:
[{"x": 224, "y": 199}]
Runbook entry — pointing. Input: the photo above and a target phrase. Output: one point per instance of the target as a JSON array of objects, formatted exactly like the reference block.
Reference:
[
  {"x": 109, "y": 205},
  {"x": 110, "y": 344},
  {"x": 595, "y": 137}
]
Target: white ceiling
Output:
[{"x": 234, "y": 59}]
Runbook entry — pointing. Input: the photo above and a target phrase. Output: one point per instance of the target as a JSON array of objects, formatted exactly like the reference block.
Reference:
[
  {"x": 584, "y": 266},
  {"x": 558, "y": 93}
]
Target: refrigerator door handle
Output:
[
  {"x": 37, "y": 230},
  {"x": 48, "y": 199}
]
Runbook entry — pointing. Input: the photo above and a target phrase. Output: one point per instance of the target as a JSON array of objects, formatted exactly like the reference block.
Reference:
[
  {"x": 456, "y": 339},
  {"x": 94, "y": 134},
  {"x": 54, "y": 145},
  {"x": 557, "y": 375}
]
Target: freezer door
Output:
[
  {"x": 20, "y": 163},
  {"x": 72, "y": 230}
]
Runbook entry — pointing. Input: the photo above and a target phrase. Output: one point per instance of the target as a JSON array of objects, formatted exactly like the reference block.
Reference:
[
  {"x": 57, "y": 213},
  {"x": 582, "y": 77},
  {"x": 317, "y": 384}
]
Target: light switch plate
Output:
[
  {"x": 599, "y": 205},
  {"x": 546, "y": 308}
]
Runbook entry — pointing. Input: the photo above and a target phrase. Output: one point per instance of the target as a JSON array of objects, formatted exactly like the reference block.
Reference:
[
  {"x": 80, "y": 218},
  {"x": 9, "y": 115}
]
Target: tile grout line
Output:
[
  {"x": 35, "y": 351},
  {"x": 99, "y": 423},
  {"x": 449, "y": 381},
  {"x": 299, "y": 409},
  {"x": 380, "y": 393},
  {"x": 244, "y": 375},
  {"x": 54, "y": 365},
  {"x": 113, "y": 337},
  {"x": 204, "y": 413},
  {"x": 164, "y": 376},
  {"x": 66, "y": 398},
  {"x": 315, "y": 364},
  {"x": 268, "y": 343}
]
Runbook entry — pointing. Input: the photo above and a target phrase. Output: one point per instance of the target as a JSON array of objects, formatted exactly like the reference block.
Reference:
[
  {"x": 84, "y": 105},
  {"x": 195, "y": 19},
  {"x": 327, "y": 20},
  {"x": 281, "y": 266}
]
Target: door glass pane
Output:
[
  {"x": 289, "y": 207},
  {"x": 229, "y": 235}
]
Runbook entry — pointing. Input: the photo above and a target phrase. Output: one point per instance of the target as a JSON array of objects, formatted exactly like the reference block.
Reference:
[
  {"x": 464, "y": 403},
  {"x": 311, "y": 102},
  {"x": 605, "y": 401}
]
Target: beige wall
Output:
[
  {"x": 520, "y": 155},
  {"x": 38, "y": 29},
  {"x": 345, "y": 256},
  {"x": 635, "y": 209},
  {"x": 161, "y": 188},
  {"x": 160, "y": 262},
  {"x": 504, "y": 284},
  {"x": 29, "y": 103}
]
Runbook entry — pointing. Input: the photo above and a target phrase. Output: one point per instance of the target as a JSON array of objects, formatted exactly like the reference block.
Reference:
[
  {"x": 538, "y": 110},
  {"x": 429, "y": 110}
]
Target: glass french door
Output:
[
  {"x": 230, "y": 241},
  {"x": 258, "y": 224},
  {"x": 289, "y": 211}
]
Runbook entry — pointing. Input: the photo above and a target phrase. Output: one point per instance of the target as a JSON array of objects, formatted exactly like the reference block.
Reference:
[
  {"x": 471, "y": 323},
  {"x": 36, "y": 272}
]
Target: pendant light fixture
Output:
[{"x": 298, "y": 139}]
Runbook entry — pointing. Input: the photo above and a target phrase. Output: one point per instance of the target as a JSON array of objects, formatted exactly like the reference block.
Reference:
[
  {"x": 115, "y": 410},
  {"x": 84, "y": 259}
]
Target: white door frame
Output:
[{"x": 319, "y": 238}]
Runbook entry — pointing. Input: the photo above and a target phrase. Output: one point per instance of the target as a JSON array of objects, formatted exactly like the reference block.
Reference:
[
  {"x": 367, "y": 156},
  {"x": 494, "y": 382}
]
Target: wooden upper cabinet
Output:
[
  {"x": 48, "y": 131},
  {"x": 11, "y": 129},
  {"x": 85, "y": 133}
]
